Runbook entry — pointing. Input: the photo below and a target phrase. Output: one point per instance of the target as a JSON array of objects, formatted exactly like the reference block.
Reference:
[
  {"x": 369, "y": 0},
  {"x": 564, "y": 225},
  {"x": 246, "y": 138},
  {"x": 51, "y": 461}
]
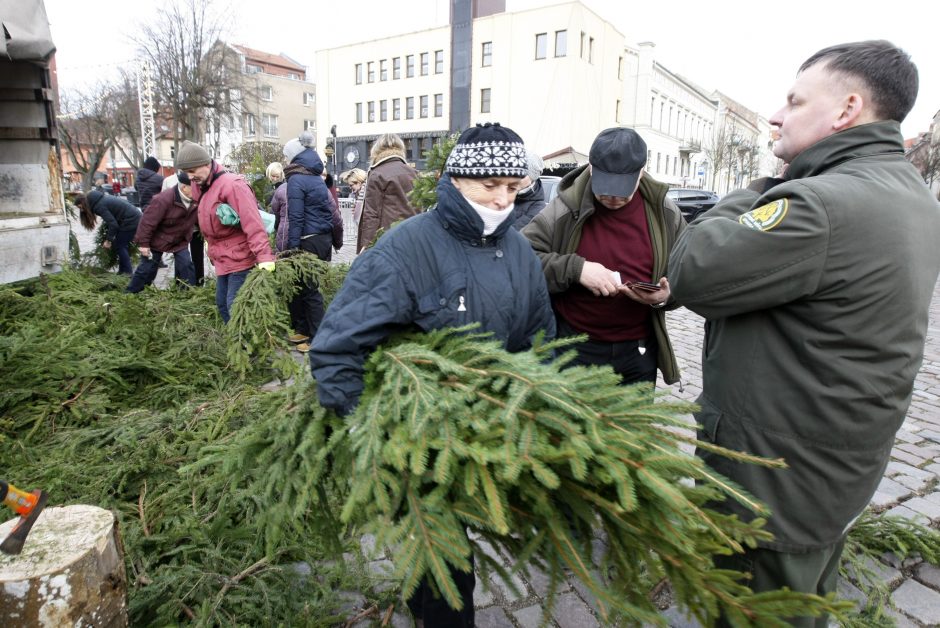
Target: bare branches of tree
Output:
[
  {"x": 188, "y": 80},
  {"x": 84, "y": 129},
  {"x": 125, "y": 119}
]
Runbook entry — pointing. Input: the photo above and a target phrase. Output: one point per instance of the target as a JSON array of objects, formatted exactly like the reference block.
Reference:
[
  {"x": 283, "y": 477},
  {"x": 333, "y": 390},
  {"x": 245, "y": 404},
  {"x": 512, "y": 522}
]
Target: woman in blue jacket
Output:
[
  {"x": 120, "y": 216},
  {"x": 459, "y": 263}
]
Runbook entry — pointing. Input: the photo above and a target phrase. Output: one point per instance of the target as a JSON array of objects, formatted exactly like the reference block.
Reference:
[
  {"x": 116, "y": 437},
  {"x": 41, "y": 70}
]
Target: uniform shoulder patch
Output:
[{"x": 766, "y": 217}]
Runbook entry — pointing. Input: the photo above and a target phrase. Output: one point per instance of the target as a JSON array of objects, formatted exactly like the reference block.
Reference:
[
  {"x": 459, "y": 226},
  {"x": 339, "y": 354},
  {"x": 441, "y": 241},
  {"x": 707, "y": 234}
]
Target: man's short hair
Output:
[{"x": 886, "y": 70}]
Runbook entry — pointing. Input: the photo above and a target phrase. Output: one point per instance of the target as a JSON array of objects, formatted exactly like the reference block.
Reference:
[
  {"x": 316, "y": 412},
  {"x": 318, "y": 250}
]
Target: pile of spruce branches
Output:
[{"x": 148, "y": 405}]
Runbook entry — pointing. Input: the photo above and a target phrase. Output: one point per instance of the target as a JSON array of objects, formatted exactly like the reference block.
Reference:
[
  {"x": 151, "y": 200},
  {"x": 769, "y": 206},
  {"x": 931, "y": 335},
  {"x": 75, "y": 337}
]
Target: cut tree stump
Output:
[{"x": 70, "y": 572}]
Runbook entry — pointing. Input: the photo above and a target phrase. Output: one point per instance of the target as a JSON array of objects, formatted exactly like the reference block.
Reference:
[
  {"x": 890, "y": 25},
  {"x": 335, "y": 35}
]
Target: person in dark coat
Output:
[
  {"x": 121, "y": 217},
  {"x": 459, "y": 263},
  {"x": 309, "y": 226},
  {"x": 149, "y": 182},
  {"x": 167, "y": 227},
  {"x": 531, "y": 199}
]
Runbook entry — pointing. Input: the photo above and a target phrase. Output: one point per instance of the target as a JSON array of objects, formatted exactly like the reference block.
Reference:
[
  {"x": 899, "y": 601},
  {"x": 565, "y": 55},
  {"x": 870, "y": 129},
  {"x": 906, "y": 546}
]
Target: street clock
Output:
[{"x": 352, "y": 155}]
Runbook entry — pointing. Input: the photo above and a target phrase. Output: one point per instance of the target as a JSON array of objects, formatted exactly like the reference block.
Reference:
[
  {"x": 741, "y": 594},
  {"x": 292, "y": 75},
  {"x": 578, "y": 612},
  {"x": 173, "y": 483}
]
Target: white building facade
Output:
[{"x": 557, "y": 75}]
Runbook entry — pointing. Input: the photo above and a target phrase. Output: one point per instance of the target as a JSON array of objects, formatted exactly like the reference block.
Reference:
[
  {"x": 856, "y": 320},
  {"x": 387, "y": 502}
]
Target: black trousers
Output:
[
  {"x": 435, "y": 611},
  {"x": 196, "y": 249},
  {"x": 634, "y": 360},
  {"x": 306, "y": 307}
]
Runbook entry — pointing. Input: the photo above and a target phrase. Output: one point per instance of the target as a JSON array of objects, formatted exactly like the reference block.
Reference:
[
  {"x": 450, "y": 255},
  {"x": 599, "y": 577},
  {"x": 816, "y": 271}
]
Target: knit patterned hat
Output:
[
  {"x": 191, "y": 155},
  {"x": 488, "y": 150}
]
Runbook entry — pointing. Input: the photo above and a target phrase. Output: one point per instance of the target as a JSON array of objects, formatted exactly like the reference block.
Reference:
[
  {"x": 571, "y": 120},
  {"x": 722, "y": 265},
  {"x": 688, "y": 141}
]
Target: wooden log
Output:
[{"x": 70, "y": 572}]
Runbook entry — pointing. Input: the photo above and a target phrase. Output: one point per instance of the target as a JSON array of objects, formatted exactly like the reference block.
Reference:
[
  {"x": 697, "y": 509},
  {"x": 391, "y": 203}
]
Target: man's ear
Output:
[{"x": 854, "y": 112}]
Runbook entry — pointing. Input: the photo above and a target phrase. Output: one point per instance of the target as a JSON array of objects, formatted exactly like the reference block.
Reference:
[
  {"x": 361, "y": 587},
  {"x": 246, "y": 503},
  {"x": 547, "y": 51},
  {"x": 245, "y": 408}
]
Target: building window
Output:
[
  {"x": 371, "y": 107},
  {"x": 249, "y": 124},
  {"x": 561, "y": 43},
  {"x": 485, "y": 100},
  {"x": 311, "y": 125},
  {"x": 410, "y": 66},
  {"x": 590, "y": 50},
  {"x": 292, "y": 75},
  {"x": 309, "y": 99},
  {"x": 487, "y": 54},
  {"x": 383, "y": 110},
  {"x": 659, "y": 157},
  {"x": 424, "y": 106},
  {"x": 370, "y": 72},
  {"x": 620, "y": 68},
  {"x": 396, "y": 68},
  {"x": 583, "y": 43},
  {"x": 410, "y": 107},
  {"x": 267, "y": 93},
  {"x": 252, "y": 69},
  {"x": 396, "y": 109},
  {"x": 358, "y": 112},
  {"x": 652, "y": 109},
  {"x": 617, "y": 112},
  {"x": 425, "y": 57},
  {"x": 662, "y": 118},
  {"x": 541, "y": 45},
  {"x": 383, "y": 71},
  {"x": 269, "y": 125},
  {"x": 438, "y": 105},
  {"x": 649, "y": 156},
  {"x": 439, "y": 62},
  {"x": 358, "y": 74}
]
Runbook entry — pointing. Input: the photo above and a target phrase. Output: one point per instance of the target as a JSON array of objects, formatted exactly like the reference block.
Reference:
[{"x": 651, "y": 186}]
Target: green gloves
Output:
[{"x": 268, "y": 266}]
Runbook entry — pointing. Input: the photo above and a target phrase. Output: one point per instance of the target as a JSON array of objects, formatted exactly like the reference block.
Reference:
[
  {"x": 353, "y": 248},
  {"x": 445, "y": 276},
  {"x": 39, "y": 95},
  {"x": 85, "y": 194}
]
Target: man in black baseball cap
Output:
[{"x": 611, "y": 226}]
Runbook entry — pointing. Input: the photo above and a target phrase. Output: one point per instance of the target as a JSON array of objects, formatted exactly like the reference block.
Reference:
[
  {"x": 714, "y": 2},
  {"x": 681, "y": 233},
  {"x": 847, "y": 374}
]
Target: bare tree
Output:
[
  {"x": 930, "y": 164},
  {"x": 254, "y": 157},
  {"x": 84, "y": 129},
  {"x": 124, "y": 112},
  {"x": 716, "y": 150},
  {"x": 191, "y": 70}
]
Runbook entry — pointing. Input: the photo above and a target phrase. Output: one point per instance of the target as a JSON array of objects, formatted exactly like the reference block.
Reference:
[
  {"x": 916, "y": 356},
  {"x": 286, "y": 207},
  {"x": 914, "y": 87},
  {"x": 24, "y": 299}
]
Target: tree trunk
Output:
[{"x": 70, "y": 573}]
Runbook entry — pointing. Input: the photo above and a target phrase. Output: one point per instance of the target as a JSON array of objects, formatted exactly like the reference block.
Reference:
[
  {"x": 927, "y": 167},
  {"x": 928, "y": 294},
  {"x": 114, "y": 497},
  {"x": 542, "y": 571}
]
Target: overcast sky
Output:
[{"x": 748, "y": 50}]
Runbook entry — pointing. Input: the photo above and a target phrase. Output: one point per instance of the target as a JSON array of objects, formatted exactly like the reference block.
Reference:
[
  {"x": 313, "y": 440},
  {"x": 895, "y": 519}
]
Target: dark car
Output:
[{"x": 692, "y": 202}]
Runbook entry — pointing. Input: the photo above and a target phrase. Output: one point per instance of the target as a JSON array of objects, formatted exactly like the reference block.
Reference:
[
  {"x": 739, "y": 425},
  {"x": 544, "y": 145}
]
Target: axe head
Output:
[{"x": 13, "y": 544}]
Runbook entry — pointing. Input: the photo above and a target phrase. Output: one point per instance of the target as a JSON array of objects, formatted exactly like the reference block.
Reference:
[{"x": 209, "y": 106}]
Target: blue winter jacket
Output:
[
  {"x": 431, "y": 271},
  {"x": 117, "y": 213},
  {"x": 308, "y": 200}
]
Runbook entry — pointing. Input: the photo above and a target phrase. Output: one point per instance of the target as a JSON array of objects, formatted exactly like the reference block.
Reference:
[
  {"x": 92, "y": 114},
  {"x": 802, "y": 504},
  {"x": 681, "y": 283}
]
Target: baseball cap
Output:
[{"x": 617, "y": 157}]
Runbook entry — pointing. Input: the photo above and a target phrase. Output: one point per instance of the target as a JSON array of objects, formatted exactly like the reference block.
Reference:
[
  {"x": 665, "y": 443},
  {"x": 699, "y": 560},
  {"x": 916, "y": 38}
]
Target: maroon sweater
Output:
[
  {"x": 620, "y": 240},
  {"x": 167, "y": 225}
]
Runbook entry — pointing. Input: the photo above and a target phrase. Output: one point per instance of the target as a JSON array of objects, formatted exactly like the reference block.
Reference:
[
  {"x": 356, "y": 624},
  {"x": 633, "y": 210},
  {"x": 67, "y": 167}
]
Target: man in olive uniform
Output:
[{"x": 816, "y": 289}]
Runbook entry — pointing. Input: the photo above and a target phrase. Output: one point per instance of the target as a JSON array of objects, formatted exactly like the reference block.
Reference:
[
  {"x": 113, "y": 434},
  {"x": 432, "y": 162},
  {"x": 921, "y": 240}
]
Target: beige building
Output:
[
  {"x": 274, "y": 104},
  {"x": 557, "y": 75}
]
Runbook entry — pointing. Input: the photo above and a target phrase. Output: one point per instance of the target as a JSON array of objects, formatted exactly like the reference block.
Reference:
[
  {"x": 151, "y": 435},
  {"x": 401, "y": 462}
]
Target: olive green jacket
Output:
[
  {"x": 556, "y": 232},
  {"x": 816, "y": 295}
]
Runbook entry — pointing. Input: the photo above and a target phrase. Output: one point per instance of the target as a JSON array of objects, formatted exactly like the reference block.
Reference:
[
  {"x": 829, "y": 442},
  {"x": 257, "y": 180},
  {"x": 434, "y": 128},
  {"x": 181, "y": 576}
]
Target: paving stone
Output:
[
  {"x": 382, "y": 575},
  {"x": 907, "y": 513},
  {"x": 880, "y": 501},
  {"x": 677, "y": 619},
  {"x": 929, "y": 575},
  {"x": 902, "y": 468},
  {"x": 900, "y": 619},
  {"x": 539, "y": 582},
  {"x": 921, "y": 452},
  {"x": 895, "y": 489},
  {"x": 402, "y": 620},
  {"x": 367, "y": 544},
  {"x": 905, "y": 436},
  {"x": 585, "y": 592},
  {"x": 933, "y": 497},
  {"x": 885, "y": 574},
  {"x": 571, "y": 612},
  {"x": 845, "y": 590},
  {"x": 909, "y": 458},
  {"x": 930, "y": 434},
  {"x": 928, "y": 508},
  {"x": 934, "y": 468},
  {"x": 506, "y": 591},
  {"x": 915, "y": 484},
  {"x": 481, "y": 596},
  {"x": 529, "y": 617},
  {"x": 492, "y": 617},
  {"x": 914, "y": 599}
]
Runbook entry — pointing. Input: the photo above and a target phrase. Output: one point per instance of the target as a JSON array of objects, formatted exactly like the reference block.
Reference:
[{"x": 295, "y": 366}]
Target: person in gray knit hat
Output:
[
  {"x": 531, "y": 199},
  {"x": 234, "y": 249},
  {"x": 459, "y": 263}
]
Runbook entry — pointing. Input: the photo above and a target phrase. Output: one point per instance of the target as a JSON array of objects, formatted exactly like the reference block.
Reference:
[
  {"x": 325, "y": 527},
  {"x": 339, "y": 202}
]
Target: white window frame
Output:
[
  {"x": 267, "y": 93},
  {"x": 266, "y": 124}
]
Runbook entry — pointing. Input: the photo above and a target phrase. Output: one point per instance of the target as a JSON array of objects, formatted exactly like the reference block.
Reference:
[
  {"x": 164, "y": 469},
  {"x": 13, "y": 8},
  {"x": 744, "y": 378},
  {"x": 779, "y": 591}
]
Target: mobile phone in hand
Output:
[{"x": 644, "y": 285}]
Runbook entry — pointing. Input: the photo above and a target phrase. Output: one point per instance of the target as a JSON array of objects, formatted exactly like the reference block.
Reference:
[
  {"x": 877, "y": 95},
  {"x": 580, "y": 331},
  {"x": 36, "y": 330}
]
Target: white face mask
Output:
[{"x": 492, "y": 218}]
